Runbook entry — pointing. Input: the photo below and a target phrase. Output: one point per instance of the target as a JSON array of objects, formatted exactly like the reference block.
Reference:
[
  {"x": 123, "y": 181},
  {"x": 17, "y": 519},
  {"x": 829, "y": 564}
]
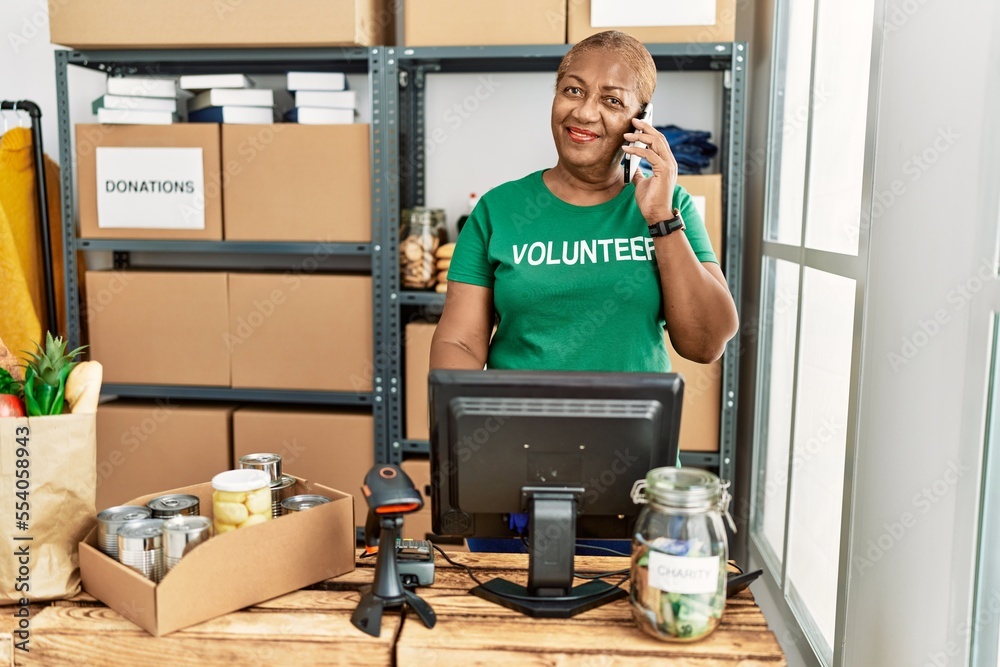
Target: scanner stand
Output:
[{"x": 387, "y": 591}]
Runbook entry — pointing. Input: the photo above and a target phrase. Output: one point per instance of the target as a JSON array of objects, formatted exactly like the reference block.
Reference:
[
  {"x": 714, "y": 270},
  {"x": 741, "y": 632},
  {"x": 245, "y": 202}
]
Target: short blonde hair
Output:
[{"x": 626, "y": 46}]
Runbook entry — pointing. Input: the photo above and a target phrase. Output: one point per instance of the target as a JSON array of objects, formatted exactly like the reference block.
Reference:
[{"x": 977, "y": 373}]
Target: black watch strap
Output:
[{"x": 667, "y": 227}]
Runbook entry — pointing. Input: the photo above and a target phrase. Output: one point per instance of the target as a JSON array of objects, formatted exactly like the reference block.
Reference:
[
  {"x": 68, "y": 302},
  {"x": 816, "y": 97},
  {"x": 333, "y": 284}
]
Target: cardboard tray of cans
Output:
[{"x": 230, "y": 571}]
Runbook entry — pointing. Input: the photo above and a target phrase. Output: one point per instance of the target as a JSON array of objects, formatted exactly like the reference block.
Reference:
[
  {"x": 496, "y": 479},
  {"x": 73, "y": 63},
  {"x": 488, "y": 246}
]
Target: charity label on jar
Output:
[{"x": 683, "y": 574}]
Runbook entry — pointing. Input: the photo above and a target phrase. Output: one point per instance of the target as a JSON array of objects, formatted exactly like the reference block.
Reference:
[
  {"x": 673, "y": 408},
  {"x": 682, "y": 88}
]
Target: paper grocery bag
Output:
[{"x": 48, "y": 481}]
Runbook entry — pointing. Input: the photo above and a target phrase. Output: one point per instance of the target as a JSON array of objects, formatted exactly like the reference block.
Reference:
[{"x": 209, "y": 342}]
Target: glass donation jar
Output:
[{"x": 680, "y": 553}]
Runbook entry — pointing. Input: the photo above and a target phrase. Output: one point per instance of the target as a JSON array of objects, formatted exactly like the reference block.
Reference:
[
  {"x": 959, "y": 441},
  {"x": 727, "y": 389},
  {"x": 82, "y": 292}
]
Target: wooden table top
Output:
[{"x": 312, "y": 627}]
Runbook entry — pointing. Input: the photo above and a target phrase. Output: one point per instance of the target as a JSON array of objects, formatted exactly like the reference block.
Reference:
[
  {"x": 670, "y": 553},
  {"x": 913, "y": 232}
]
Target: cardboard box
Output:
[
  {"x": 418, "y": 365},
  {"x": 296, "y": 331},
  {"x": 289, "y": 182},
  {"x": 117, "y": 24},
  {"x": 158, "y": 327},
  {"x": 204, "y": 136},
  {"x": 143, "y": 445},
  {"x": 230, "y": 571},
  {"x": 337, "y": 448},
  {"x": 723, "y": 29},
  {"x": 702, "y": 382},
  {"x": 481, "y": 22}
]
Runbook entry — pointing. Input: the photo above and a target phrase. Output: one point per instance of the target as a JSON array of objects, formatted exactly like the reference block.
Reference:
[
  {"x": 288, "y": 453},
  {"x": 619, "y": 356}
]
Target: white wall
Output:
[
  {"x": 27, "y": 68},
  {"x": 922, "y": 416}
]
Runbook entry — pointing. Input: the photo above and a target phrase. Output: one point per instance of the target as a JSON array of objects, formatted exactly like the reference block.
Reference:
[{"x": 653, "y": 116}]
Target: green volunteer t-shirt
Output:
[{"x": 575, "y": 287}]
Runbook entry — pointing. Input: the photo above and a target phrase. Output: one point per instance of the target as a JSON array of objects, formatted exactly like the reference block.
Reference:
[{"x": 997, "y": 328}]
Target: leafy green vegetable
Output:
[{"x": 8, "y": 385}]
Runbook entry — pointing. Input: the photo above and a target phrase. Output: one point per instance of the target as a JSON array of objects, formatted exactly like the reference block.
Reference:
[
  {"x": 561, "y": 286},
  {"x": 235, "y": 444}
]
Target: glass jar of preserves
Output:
[
  {"x": 240, "y": 498},
  {"x": 679, "y": 553},
  {"x": 422, "y": 233}
]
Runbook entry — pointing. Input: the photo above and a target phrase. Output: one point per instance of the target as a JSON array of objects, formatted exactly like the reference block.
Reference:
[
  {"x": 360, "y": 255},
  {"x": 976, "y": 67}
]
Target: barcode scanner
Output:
[{"x": 391, "y": 495}]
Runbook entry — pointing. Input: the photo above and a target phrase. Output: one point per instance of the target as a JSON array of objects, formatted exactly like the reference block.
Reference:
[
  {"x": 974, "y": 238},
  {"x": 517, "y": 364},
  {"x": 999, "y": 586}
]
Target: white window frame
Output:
[
  {"x": 802, "y": 631},
  {"x": 932, "y": 601}
]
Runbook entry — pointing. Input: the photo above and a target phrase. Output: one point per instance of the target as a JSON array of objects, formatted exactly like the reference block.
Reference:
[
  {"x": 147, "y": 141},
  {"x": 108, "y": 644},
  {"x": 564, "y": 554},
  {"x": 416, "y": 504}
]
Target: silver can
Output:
[
  {"x": 269, "y": 463},
  {"x": 174, "y": 504},
  {"x": 302, "y": 502},
  {"x": 140, "y": 547},
  {"x": 112, "y": 519},
  {"x": 280, "y": 490},
  {"x": 181, "y": 534}
]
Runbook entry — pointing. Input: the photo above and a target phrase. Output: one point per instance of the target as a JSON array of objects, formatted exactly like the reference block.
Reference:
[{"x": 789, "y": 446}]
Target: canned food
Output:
[
  {"x": 140, "y": 547},
  {"x": 280, "y": 490},
  {"x": 174, "y": 504},
  {"x": 269, "y": 463},
  {"x": 111, "y": 520},
  {"x": 302, "y": 502},
  {"x": 181, "y": 534}
]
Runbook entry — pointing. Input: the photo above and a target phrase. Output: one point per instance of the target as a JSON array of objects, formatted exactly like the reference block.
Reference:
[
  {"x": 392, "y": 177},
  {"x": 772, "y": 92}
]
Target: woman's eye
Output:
[
  {"x": 572, "y": 90},
  {"x": 615, "y": 101}
]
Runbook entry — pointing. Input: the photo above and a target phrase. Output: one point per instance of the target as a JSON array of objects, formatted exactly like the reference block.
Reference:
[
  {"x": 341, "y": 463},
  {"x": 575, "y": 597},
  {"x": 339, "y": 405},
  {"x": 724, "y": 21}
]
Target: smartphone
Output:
[{"x": 632, "y": 161}]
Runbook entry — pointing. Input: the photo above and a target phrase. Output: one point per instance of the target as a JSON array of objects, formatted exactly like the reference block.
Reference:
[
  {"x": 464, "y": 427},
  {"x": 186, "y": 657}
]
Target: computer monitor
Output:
[{"x": 565, "y": 448}]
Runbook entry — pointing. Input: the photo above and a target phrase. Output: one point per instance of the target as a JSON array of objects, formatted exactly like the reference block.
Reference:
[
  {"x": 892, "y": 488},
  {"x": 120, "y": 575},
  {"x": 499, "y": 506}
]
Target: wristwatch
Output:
[{"x": 667, "y": 227}]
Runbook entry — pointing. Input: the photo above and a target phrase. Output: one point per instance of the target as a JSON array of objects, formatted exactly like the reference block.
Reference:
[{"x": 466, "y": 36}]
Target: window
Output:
[{"x": 810, "y": 309}]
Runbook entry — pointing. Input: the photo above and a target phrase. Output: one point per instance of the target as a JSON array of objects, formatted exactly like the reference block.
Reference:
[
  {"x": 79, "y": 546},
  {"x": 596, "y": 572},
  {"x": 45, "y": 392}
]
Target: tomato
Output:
[{"x": 11, "y": 406}]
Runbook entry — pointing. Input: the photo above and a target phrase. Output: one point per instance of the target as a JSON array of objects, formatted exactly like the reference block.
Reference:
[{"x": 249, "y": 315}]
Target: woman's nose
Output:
[{"x": 587, "y": 110}]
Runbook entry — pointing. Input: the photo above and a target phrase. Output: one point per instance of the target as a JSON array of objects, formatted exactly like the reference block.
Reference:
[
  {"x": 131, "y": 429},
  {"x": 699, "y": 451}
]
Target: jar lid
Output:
[
  {"x": 683, "y": 487},
  {"x": 241, "y": 480}
]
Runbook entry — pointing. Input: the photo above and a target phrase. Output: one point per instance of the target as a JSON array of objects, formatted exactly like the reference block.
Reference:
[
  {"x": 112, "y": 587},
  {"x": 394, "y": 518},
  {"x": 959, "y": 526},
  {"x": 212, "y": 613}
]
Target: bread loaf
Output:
[
  {"x": 83, "y": 387},
  {"x": 10, "y": 363}
]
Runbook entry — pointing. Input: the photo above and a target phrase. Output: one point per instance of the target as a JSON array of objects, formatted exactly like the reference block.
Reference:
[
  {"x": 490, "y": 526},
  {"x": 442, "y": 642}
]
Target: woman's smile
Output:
[{"x": 580, "y": 135}]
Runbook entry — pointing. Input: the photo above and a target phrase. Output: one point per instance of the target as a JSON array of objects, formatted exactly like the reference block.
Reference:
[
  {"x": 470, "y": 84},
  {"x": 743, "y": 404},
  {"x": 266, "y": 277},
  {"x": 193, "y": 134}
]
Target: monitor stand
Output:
[{"x": 550, "y": 592}]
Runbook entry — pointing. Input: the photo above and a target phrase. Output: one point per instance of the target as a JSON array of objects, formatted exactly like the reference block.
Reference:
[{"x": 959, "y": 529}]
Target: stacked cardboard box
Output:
[
  {"x": 661, "y": 22},
  {"x": 482, "y": 23},
  {"x": 288, "y": 331},
  {"x": 278, "y": 182},
  {"x": 143, "y": 445},
  {"x": 335, "y": 447},
  {"x": 120, "y": 24}
]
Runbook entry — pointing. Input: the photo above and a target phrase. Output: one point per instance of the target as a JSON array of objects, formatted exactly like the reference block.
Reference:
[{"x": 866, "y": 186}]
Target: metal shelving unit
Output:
[
  {"x": 697, "y": 459},
  {"x": 397, "y": 77},
  {"x": 225, "y": 247},
  {"x": 384, "y": 207},
  {"x": 414, "y": 298},
  {"x": 202, "y": 393},
  {"x": 414, "y": 64}
]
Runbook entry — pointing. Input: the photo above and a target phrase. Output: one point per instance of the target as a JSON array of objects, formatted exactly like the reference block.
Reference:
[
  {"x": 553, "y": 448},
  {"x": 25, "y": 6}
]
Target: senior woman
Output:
[{"x": 580, "y": 271}]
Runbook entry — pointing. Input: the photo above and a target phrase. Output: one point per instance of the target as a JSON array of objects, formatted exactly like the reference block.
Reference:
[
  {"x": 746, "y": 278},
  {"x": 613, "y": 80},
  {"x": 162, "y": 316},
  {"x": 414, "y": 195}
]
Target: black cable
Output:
[
  {"x": 468, "y": 570},
  {"x": 580, "y": 575},
  {"x": 610, "y": 551}
]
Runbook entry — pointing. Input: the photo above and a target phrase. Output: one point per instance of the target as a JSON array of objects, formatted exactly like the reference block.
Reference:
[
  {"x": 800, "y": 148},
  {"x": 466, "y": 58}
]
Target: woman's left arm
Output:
[{"x": 697, "y": 305}]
